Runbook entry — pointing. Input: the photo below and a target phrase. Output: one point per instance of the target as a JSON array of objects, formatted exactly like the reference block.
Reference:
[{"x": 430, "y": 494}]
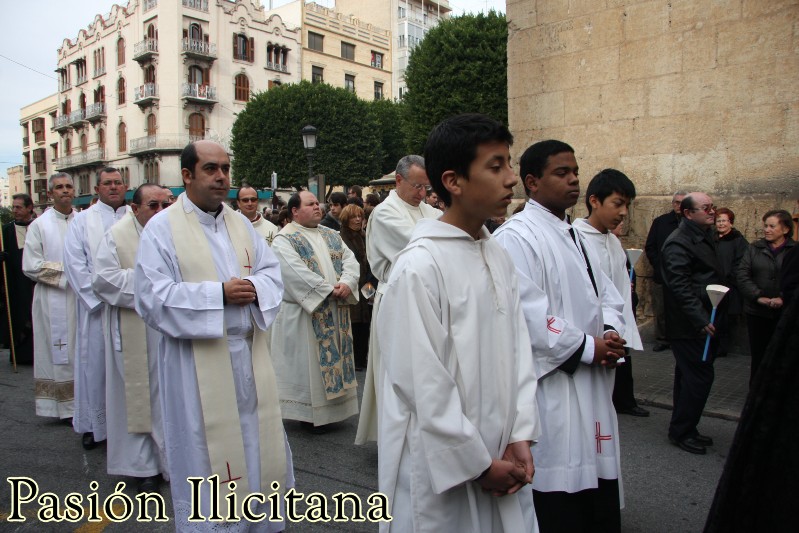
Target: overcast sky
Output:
[{"x": 34, "y": 29}]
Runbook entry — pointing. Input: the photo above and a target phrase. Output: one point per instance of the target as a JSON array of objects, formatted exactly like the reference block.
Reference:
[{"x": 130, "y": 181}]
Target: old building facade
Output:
[{"x": 40, "y": 146}]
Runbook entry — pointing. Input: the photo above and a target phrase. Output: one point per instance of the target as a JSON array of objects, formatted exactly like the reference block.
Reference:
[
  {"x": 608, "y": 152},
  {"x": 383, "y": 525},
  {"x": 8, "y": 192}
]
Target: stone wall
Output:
[{"x": 680, "y": 94}]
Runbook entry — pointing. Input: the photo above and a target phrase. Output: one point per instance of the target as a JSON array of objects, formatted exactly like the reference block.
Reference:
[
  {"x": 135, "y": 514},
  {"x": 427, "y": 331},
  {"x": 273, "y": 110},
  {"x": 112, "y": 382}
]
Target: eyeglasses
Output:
[
  {"x": 154, "y": 205},
  {"x": 706, "y": 208},
  {"x": 419, "y": 186},
  {"x": 247, "y": 200}
]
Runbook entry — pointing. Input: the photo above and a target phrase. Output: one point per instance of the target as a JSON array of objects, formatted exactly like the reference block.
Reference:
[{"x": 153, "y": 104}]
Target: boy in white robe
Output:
[
  {"x": 608, "y": 198},
  {"x": 573, "y": 314},
  {"x": 458, "y": 411}
]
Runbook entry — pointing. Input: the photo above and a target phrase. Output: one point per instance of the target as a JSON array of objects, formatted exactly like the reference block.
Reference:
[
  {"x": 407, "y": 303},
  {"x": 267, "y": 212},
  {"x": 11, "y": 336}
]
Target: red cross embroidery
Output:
[
  {"x": 248, "y": 266},
  {"x": 550, "y": 321},
  {"x": 229, "y": 475},
  {"x": 599, "y": 438}
]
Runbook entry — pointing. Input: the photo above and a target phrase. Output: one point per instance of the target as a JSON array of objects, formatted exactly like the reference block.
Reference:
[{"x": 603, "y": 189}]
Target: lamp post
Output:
[{"x": 309, "y": 142}]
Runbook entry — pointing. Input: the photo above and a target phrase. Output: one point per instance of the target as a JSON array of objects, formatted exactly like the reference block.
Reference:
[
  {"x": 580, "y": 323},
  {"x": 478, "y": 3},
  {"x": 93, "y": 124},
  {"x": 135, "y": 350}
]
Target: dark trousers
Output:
[
  {"x": 693, "y": 379},
  {"x": 588, "y": 511},
  {"x": 761, "y": 330},
  {"x": 623, "y": 397},
  {"x": 360, "y": 343}
]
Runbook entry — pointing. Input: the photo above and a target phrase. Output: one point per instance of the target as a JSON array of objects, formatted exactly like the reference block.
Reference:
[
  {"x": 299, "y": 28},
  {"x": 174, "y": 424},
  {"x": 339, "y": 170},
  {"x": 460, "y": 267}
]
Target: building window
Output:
[
  {"x": 101, "y": 138},
  {"x": 349, "y": 82},
  {"x": 99, "y": 95},
  {"x": 80, "y": 71},
  {"x": 152, "y": 33},
  {"x": 38, "y": 129},
  {"x": 122, "y": 134},
  {"x": 242, "y": 88},
  {"x": 67, "y": 145},
  {"x": 84, "y": 143},
  {"x": 149, "y": 74},
  {"x": 377, "y": 59},
  {"x": 378, "y": 90},
  {"x": 317, "y": 75},
  {"x": 243, "y": 47},
  {"x": 120, "y": 52},
  {"x": 150, "y": 124},
  {"x": 199, "y": 75},
  {"x": 120, "y": 91},
  {"x": 348, "y": 51},
  {"x": 196, "y": 126},
  {"x": 277, "y": 57},
  {"x": 40, "y": 160},
  {"x": 99, "y": 62},
  {"x": 316, "y": 41}
]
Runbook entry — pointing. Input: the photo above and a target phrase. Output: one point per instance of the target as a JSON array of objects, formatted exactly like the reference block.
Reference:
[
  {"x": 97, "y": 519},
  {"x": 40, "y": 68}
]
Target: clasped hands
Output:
[
  {"x": 608, "y": 349},
  {"x": 509, "y": 474},
  {"x": 239, "y": 291},
  {"x": 774, "y": 303},
  {"x": 341, "y": 291}
]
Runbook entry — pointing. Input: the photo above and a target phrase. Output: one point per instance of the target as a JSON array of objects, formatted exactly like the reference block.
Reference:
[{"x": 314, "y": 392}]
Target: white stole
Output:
[{"x": 213, "y": 367}]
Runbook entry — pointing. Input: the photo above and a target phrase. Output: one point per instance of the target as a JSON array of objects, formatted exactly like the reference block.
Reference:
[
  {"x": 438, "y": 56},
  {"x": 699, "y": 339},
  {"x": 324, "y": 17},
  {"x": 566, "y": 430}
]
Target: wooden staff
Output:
[{"x": 8, "y": 304}]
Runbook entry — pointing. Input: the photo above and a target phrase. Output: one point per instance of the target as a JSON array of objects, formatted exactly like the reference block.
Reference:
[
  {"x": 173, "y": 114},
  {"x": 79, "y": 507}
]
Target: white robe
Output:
[
  {"x": 295, "y": 346},
  {"x": 458, "y": 384},
  {"x": 53, "y": 379},
  {"x": 614, "y": 264},
  {"x": 388, "y": 232},
  {"x": 265, "y": 229},
  {"x": 80, "y": 247},
  {"x": 128, "y": 454},
  {"x": 579, "y": 429},
  {"x": 184, "y": 311}
]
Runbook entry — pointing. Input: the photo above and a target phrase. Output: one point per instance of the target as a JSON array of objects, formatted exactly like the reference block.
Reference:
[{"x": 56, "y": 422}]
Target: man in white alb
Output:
[
  {"x": 211, "y": 286},
  {"x": 135, "y": 432},
  {"x": 247, "y": 198},
  {"x": 573, "y": 314},
  {"x": 312, "y": 335},
  {"x": 389, "y": 230},
  {"x": 53, "y": 302},
  {"x": 80, "y": 249}
]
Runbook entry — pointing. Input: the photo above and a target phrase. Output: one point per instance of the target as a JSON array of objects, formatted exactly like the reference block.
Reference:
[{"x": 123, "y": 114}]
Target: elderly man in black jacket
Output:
[{"x": 689, "y": 264}]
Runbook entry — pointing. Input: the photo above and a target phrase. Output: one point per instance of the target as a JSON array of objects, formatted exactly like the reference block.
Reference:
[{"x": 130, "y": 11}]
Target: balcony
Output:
[
  {"x": 198, "y": 94},
  {"x": 278, "y": 67},
  {"x": 144, "y": 50},
  {"x": 64, "y": 86},
  {"x": 95, "y": 111},
  {"x": 76, "y": 117},
  {"x": 199, "y": 49},
  {"x": 61, "y": 122},
  {"x": 145, "y": 94},
  {"x": 148, "y": 5},
  {"x": 95, "y": 156},
  {"x": 82, "y": 79},
  {"x": 99, "y": 71},
  {"x": 26, "y": 171},
  {"x": 160, "y": 143},
  {"x": 199, "y": 5},
  {"x": 25, "y": 141}
]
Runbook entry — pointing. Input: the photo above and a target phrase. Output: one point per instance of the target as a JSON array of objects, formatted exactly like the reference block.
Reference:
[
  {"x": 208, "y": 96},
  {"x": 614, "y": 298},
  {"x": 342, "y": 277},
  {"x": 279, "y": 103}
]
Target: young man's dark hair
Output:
[
  {"x": 606, "y": 183},
  {"x": 372, "y": 199},
  {"x": 354, "y": 200},
  {"x": 338, "y": 198},
  {"x": 534, "y": 159},
  {"x": 452, "y": 145},
  {"x": 357, "y": 191}
]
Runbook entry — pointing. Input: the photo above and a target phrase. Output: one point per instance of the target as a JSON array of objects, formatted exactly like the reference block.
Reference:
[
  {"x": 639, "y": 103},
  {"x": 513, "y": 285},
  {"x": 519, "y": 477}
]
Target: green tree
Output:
[
  {"x": 390, "y": 117},
  {"x": 459, "y": 67},
  {"x": 266, "y": 137}
]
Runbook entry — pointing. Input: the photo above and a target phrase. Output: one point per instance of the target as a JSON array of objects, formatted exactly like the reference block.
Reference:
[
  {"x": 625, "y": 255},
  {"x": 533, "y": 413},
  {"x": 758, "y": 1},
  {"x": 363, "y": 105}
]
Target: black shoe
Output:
[
  {"x": 88, "y": 441},
  {"x": 690, "y": 445},
  {"x": 703, "y": 440},
  {"x": 149, "y": 484},
  {"x": 314, "y": 430},
  {"x": 660, "y": 346},
  {"x": 633, "y": 411}
]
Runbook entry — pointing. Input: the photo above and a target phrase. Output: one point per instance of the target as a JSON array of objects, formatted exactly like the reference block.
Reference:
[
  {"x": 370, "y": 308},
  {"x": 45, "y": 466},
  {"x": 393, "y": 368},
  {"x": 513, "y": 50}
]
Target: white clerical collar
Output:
[
  {"x": 208, "y": 219},
  {"x": 58, "y": 213},
  {"x": 105, "y": 207}
]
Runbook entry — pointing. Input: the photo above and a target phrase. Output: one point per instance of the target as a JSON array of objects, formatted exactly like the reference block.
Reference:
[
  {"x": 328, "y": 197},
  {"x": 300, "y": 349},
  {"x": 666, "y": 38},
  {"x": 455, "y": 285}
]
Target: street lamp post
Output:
[{"x": 309, "y": 142}]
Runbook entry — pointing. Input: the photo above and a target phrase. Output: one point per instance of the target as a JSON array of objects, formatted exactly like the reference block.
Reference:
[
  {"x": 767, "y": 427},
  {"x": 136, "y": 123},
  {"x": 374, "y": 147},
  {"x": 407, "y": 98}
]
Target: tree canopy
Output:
[
  {"x": 390, "y": 119},
  {"x": 459, "y": 67},
  {"x": 266, "y": 137}
]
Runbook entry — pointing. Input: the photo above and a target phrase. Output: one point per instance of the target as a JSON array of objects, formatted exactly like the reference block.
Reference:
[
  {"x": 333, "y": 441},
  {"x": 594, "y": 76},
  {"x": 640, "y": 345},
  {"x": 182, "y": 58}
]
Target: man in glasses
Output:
[
  {"x": 80, "y": 250},
  {"x": 388, "y": 232},
  {"x": 247, "y": 198},
  {"x": 660, "y": 230},
  {"x": 689, "y": 264},
  {"x": 135, "y": 432}
]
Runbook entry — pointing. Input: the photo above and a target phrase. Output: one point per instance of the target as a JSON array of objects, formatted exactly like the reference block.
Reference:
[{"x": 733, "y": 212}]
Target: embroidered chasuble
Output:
[{"x": 212, "y": 362}]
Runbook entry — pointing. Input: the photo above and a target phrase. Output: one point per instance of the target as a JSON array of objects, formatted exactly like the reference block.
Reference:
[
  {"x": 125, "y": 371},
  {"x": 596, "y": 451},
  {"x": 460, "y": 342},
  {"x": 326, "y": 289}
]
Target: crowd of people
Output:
[{"x": 182, "y": 332}]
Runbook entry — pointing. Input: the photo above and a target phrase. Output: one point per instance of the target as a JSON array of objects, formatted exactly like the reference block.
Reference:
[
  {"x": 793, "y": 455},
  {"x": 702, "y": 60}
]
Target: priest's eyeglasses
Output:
[
  {"x": 419, "y": 186},
  {"x": 706, "y": 208},
  {"x": 154, "y": 205},
  {"x": 247, "y": 200}
]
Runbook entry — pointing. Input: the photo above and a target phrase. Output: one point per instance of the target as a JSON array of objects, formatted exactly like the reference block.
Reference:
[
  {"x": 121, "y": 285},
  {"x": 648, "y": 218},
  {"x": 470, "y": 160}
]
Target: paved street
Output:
[{"x": 666, "y": 489}]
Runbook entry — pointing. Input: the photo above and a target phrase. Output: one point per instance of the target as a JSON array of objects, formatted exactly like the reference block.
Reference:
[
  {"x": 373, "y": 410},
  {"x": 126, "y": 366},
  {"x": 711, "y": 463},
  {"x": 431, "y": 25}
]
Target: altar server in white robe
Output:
[
  {"x": 574, "y": 316},
  {"x": 80, "y": 249},
  {"x": 135, "y": 433},
  {"x": 247, "y": 198},
  {"x": 312, "y": 335},
  {"x": 608, "y": 198},
  {"x": 388, "y": 232},
  {"x": 458, "y": 413},
  {"x": 53, "y": 302},
  {"x": 211, "y": 286}
]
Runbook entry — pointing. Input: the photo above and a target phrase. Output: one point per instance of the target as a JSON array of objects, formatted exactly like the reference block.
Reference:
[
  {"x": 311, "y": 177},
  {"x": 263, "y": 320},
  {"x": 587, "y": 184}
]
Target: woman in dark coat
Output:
[
  {"x": 351, "y": 218},
  {"x": 759, "y": 282},
  {"x": 732, "y": 246}
]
